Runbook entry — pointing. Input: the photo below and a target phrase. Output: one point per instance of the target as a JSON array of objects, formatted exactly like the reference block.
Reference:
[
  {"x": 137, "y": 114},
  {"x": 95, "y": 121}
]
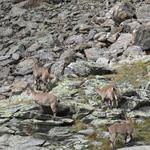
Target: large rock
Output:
[
  {"x": 58, "y": 68},
  {"x": 83, "y": 68},
  {"x": 122, "y": 11},
  {"x": 133, "y": 52},
  {"x": 143, "y": 12},
  {"x": 19, "y": 142},
  {"x": 18, "y": 86},
  {"x": 16, "y": 11},
  {"x": 122, "y": 43},
  {"x": 24, "y": 67},
  {"x": 4, "y": 72},
  {"x": 92, "y": 54},
  {"x": 46, "y": 39},
  {"x": 77, "y": 39},
  {"x": 68, "y": 54},
  {"x": 102, "y": 61},
  {"x": 4, "y": 32},
  {"x": 141, "y": 37},
  {"x": 142, "y": 147},
  {"x": 19, "y": 49}
]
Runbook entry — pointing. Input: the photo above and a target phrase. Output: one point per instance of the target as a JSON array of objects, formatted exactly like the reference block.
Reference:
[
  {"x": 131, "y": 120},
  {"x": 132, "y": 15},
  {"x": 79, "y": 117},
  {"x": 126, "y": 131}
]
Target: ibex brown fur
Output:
[
  {"x": 124, "y": 128},
  {"x": 108, "y": 94},
  {"x": 44, "y": 99},
  {"x": 41, "y": 73}
]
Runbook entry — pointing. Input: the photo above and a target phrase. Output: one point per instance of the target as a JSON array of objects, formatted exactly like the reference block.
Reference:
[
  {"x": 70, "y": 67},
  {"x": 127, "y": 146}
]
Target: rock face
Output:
[
  {"x": 84, "y": 44},
  {"x": 141, "y": 37},
  {"x": 122, "y": 11},
  {"x": 143, "y": 12},
  {"x": 136, "y": 148}
]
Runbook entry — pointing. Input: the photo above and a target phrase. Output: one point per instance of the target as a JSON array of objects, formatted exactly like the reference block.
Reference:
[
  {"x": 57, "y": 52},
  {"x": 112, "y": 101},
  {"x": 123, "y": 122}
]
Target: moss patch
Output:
[{"x": 142, "y": 132}]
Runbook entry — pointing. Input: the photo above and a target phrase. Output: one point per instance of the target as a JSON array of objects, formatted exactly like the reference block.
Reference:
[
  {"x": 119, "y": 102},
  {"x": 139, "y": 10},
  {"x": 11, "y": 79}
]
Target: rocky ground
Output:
[{"x": 106, "y": 41}]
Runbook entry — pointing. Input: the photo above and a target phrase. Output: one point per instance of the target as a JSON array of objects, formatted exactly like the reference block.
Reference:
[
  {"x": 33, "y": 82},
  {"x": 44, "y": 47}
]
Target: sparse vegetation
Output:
[
  {"x": 79, "y": 125},
  {"x": 141, "y": 132},
  {"x": 135, "y": 73}
]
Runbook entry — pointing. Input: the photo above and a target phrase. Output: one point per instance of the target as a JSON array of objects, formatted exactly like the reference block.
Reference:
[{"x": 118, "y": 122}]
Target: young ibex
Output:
[
  {"x": 44, "y": 99},
  {"x": 124, "y": 128},
  {"x": 108, "y": 94},
  {"x": 41, "y": 73}
]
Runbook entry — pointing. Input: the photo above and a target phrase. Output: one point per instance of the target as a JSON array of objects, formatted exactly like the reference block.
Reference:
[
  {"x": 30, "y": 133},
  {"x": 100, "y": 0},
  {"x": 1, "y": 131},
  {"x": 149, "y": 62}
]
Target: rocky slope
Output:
[{"x": 104, "y": 41}]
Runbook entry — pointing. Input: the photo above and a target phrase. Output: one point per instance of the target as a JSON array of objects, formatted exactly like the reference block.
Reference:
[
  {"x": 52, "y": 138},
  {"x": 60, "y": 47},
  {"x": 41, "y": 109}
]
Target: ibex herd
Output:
[
  {"x": 41, "y": 74},
  {"x": 108, "y": 93}
]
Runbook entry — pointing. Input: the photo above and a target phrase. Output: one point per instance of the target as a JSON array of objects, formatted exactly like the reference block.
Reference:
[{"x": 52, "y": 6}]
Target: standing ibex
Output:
[
  {"x": 124, "y": 128},
  {"x": 41, "y": 73},
  {"x": 44, "y": 99},
  {"x": 109, "y": 95}
]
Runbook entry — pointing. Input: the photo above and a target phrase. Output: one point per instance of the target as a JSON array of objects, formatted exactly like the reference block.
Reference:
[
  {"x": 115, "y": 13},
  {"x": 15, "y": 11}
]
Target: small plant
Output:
[{"x": 79, "y": 125}]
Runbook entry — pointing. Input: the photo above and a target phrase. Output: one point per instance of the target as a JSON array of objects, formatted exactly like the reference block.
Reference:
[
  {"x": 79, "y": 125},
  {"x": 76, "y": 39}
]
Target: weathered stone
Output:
[
  {"x": 6, "y": 62},
  {"x": 133, "y": 52},
  {"x": 70, "y": 54},
  {"x": 122, "y": 43},
  {"x": 18, "y": 86},
  {"x": 4, "y": 32},
  {"x": 83, "y": 68},
  {"x": 46, "y": 39},
  {"x": 24, "y": 67},
  {"x": 16, "y": 11},
  {"x": 145, "y": 147},
  {"x": 102, "y": 61},
  {"x": 101, "y": 37},
  {"x": 99, "y": 20},
  {"x": 91, "y": 34},
  {"x": 2, "y": 97},
  {"x": 143, "y": 12},
  {"x": 122, "y": 11},
  {"x": 87, "y": 132},
  {"x": 21, "y": 142},
  {"x": 141, "y": 38},
  {"x": 19, "y": 48},
  {"x": 91, "y": 54},
  {"x": 5, "y": 89},
  {"x": 45, "y": 55},
  {"x": 77, "y": 39},
  {"x": 4, "y": 57},
  {"x": 130, "y": 25},
  {"x": 143, "y": 112},
  {"x": 34, "y": 47},
  {"x": 15, "y": 56},
  {"x": 83, "y": 46},
  {"x": 83, "y": 28},
  {"x": 58, "y": 68}
]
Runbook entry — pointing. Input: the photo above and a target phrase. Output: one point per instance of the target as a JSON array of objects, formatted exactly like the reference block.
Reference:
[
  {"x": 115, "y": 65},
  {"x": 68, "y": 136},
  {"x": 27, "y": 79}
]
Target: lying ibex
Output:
[
  {"x": 41, "y": 73},
  {"x": 44, "y": 99},
  {"x": 124, "y": 128},
  {"x": 108, "y": 94}
]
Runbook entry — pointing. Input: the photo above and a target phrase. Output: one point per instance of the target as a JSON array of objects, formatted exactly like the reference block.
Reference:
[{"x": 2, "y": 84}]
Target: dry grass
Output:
[{"x": 134, "y": 74}]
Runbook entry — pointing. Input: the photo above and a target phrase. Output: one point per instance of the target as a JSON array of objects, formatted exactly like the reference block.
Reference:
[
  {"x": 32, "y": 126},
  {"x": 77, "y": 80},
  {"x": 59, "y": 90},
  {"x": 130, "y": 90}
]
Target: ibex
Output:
[
  {"x": 41, "y": 73},
  {"x": 124, "y": 128},
  {"x": 108, "y": 94},
  {"x": 44, "y": 99}
]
